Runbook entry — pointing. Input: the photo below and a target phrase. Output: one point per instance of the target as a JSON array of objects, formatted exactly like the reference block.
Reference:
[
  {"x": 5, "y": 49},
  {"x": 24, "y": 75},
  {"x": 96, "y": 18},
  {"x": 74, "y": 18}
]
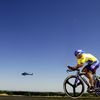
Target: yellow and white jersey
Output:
[{"x": 86, "y": 58}]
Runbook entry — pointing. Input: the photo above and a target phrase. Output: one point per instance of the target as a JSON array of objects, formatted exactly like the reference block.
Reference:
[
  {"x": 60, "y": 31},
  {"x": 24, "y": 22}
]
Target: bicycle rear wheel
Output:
[
  {"x": 73, "y": 86},
  {"x": 98, "y": 87}
]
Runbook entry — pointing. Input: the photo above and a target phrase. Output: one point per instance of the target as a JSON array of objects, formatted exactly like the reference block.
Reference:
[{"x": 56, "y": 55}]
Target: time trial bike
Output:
[{"x": 74, "y": 85}]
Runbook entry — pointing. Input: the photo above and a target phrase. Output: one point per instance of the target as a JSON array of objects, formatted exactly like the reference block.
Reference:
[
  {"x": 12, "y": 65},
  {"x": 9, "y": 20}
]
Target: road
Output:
[{"x": 41, "y": 98}]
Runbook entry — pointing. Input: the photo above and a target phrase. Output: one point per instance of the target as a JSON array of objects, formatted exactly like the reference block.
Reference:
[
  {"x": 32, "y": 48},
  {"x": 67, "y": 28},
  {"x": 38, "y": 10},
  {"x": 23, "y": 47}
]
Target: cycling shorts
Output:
[{"x": 92, "y": 67}]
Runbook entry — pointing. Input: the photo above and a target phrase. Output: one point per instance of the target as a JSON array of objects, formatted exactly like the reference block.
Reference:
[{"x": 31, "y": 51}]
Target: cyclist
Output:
[{"x": 91, "y": 62}]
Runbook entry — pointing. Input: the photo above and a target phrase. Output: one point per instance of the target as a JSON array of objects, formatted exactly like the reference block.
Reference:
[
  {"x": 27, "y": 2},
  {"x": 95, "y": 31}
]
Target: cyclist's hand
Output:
[{"x": 71, "y": 68}]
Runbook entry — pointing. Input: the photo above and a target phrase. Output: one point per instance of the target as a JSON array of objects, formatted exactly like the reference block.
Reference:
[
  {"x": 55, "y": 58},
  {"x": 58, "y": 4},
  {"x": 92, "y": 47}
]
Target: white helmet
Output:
[{"x": 78, "y": 52}]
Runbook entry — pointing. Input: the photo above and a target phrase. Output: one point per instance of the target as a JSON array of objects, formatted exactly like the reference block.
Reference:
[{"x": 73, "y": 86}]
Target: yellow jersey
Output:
[{"x": 86, "y": 58}]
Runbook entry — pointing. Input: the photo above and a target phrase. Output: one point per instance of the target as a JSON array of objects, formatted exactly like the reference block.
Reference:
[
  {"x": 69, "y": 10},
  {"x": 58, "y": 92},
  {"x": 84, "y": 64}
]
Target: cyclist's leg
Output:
[
  {"x": 92, "y": 71},
  {"x": 94, "y": 67},
  {"x": 90, "y": 77},
  {"x": 89, "y": 74}
]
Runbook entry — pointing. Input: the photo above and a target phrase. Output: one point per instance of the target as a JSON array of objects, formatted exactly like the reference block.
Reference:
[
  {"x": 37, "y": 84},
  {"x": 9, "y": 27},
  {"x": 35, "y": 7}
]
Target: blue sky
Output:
[{"x": 40, "y": 36}]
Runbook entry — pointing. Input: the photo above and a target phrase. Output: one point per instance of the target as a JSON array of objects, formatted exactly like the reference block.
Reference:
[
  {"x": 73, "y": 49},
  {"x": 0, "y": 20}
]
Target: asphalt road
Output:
[{"x": 41, "y": 98}]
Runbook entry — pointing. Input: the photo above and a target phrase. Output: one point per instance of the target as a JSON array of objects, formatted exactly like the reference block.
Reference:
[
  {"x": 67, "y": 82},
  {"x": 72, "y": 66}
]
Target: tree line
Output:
[{"x": 28, "y": 93}]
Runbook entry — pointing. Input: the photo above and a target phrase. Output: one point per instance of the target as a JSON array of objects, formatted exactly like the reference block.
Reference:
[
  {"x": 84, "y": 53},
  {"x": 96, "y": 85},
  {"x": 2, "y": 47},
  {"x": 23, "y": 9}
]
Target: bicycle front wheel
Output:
[{"x": 73, "y": 86}]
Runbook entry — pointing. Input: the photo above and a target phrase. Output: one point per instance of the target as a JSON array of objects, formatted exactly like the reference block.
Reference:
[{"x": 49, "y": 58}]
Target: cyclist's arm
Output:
[
  {"x": 75, "y": 67},
  {"x": 78, "y": 66},
  {"x": 80, "y": 63}
]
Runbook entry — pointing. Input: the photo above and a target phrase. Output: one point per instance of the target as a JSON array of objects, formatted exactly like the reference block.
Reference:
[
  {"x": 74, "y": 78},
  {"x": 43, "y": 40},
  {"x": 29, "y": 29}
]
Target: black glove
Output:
[
  {"x": 71, "y": 68},
  {"x": 68, "y": 66}
]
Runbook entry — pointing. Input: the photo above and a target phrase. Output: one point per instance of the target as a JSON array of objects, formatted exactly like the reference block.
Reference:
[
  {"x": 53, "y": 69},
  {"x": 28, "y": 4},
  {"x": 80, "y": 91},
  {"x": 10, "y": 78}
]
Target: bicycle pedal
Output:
[
  {"x": 90, "y": 90},
  {"x": 97, "y": 89}
]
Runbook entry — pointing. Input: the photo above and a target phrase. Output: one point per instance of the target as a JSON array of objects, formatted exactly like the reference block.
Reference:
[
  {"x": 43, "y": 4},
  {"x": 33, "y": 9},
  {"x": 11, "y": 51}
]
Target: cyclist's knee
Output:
[{"x": 85, "y": 70}]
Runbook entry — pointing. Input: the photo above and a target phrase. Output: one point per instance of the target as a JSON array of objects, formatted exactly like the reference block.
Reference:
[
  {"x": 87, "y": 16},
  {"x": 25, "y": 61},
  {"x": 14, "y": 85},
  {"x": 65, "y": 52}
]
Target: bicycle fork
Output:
[{"x": 76, "y": 81}]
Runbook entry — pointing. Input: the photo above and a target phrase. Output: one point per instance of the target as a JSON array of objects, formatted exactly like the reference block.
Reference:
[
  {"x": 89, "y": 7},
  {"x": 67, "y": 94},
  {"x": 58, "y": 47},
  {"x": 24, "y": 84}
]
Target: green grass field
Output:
[{"x": 47, "y": 94}]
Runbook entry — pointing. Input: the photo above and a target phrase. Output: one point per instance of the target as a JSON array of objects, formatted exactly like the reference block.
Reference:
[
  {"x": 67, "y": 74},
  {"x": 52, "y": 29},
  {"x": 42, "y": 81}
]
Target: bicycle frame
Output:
[
  {"x": 79, "y": 75},
  {"x": 84, "y": 80}
]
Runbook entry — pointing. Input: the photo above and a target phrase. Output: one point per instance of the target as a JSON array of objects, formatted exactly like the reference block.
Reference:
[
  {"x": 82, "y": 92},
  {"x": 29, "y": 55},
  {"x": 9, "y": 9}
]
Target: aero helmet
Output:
[{"x": 78, "y": 52}]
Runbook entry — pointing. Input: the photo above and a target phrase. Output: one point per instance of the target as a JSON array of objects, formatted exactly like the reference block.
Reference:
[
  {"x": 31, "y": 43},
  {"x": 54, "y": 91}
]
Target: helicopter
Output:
[{"x": 25, "y": 73}]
